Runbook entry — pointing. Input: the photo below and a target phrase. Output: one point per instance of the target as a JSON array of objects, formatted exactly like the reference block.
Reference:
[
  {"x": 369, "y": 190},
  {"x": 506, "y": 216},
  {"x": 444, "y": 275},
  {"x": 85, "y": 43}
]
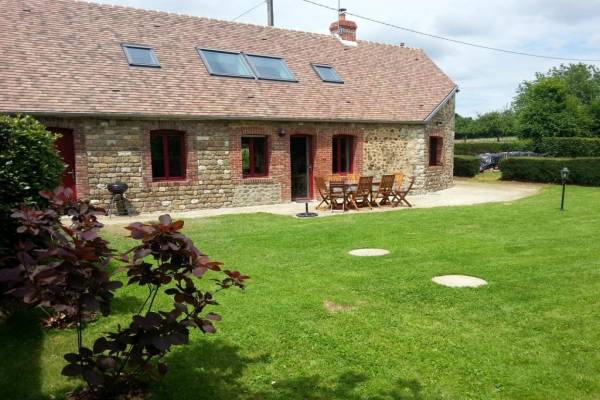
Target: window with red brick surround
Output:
[
  {"x": 168, "y": 155},
  {"x": 255, "y": 156},
  {"x": 435, "y": 151},
  {"x": 342, "y": 157}
]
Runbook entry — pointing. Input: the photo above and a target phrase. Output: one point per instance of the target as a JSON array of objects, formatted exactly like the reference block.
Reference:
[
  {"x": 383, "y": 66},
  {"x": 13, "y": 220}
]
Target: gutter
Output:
[
  {"x": 442, "y": 104},
  {"x": 162, "y": 117}
]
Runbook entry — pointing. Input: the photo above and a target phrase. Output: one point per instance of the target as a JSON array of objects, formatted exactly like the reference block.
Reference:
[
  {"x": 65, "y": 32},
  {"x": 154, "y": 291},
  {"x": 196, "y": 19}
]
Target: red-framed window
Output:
[
  {"x": 167, "y": 150},
  {"x": 435, "y": 151},
  {"x": 342, "y": 157},
  {"x": 255, "y": 159}
]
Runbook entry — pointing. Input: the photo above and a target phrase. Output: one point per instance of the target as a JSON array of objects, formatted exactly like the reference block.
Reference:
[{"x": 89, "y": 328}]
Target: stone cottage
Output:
[{"x": 200, "y": 113}]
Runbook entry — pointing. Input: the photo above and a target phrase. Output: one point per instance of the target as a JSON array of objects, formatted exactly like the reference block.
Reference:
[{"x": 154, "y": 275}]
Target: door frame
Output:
[
  {"x": 67, "y": 134},
  {"x": 310, "y": 152}
]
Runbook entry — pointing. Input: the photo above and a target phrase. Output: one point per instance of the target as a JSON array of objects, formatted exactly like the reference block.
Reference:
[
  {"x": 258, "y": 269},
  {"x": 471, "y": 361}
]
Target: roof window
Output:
[
  {"x": 225, "y": 63},
  {"x": 140, "y": 56},
  {"x": 271, "y": 68},
  {"x": 327, "y": 73}
]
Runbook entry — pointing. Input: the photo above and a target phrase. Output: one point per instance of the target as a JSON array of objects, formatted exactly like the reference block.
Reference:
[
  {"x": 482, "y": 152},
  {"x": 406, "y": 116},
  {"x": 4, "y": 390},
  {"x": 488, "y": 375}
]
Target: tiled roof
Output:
[{"x": 64, "y": 57}]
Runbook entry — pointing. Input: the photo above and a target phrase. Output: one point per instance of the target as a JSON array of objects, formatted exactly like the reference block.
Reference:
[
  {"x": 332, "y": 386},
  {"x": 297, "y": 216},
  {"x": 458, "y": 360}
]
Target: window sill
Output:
[
  {"x": 435, "y": 167},
  {"x": 250, "y": 180},
  {"x": 173, "y": 182}
]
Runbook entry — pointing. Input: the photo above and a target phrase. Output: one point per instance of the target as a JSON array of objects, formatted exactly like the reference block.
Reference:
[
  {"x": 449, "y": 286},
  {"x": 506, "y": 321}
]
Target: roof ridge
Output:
[{"x": 266, "y": 27}]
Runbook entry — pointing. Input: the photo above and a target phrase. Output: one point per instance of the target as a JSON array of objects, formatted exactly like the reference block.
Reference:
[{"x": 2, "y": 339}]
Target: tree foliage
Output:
[
  {"x": 491, "y": 124},
  {"x": 563, "y": 102}
]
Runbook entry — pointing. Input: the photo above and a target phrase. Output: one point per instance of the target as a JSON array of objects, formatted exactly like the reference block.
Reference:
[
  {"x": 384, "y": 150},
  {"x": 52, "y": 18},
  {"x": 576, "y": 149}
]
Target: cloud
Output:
[{"x": 488, "y": 80}]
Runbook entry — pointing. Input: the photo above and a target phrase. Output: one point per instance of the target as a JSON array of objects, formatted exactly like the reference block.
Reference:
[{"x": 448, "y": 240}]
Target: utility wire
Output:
[
  {"x": 248, "y": 10},
  {"x": 480, "y": 46}
]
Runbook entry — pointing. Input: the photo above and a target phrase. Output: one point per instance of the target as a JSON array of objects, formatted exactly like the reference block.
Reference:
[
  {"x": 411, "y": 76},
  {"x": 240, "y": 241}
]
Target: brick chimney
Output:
[{"x": 344, "y": 28}]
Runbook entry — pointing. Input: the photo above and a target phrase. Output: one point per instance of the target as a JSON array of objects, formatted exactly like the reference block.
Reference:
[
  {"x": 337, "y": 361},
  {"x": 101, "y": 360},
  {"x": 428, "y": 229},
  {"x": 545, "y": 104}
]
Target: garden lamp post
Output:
[{"x": 564, "y": 175}]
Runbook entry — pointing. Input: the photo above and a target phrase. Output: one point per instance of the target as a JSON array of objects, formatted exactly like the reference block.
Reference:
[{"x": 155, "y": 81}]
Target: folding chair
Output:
[
  {"x": 400, "y": 195},
  {"x": 323, "y": 191},
  {"x": 385, "y": 190},
  {"x": 362, "y": 194}
]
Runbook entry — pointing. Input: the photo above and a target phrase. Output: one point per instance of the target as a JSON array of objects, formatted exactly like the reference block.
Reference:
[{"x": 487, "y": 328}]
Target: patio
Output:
[{"x": 464, "y": 192}]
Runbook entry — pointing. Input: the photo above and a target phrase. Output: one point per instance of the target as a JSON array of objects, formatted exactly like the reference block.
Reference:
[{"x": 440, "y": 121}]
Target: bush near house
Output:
[
  {"x": 467, "y": 166},
  {"x": 583, "y": 171},
  {"x": 474, "y": 149},
  {"x": 29, "y": 163},
  {"x": 570, "y": 147}
]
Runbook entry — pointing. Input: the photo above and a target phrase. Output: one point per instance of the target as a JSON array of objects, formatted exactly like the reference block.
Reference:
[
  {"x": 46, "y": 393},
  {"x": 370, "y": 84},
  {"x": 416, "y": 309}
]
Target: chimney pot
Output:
[{"x": 344, "y": 28}]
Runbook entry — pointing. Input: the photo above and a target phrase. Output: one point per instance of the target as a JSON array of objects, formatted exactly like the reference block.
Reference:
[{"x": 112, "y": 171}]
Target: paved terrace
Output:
[{"x": 463, "y": 193}]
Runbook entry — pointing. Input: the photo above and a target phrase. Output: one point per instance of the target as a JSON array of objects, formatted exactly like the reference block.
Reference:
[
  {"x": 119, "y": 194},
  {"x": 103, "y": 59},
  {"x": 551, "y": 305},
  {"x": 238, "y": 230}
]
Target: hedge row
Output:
[
  {"x": 467, "y": 166},
  {"x": 570, "y": 147},
  {"x": 583, "y": 171},
  {"x": 477, "y": 148}
]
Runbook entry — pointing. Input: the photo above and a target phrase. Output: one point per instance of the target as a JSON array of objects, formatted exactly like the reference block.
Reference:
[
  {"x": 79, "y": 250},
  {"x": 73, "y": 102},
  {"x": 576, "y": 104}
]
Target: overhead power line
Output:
[
  {"x": 480, "y": 46},
  {"x": 249, "y": 10}
]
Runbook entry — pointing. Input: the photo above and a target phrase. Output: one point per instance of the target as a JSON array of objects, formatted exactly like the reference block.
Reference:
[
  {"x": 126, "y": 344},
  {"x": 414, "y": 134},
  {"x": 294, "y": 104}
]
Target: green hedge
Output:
[
  {"x": 570, "y": 147},
  {"x": 466, "y": 166},
  {"x": 477, "y": 148},
  {"x": 583, "y": 171}
]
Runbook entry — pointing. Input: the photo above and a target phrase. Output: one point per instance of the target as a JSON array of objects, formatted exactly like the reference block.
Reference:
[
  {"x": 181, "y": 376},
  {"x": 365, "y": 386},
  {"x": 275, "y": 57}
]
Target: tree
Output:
[
  {"x": 562, "y": 102},
  {"x": 546, "y": 107},
  {"x": 463, "y": 126},
  {"x": 495, "y": 123}
]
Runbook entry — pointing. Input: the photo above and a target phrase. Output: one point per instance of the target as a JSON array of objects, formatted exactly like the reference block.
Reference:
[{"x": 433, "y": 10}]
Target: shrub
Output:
[
  {"x": 117, "y": 362},
  {"x": 584, "y": 171},
  {"x": 29, "y": 163},
  {"x": 466, "y": 166},
  {"x": 474, "y": 149},
  {"x": 570, "y": 147},
  {"x": 60, "y": 269}
]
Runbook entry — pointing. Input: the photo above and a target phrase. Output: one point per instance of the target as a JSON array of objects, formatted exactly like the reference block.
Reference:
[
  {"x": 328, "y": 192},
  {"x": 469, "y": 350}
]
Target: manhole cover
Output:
[
  {"x": 369, "y": 252},
  {"x": 459, "y": 281}
]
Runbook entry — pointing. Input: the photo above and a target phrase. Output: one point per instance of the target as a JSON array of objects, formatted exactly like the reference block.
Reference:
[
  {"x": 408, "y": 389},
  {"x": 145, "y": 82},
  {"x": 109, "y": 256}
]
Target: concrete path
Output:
[{"x": 464, "y": 192}]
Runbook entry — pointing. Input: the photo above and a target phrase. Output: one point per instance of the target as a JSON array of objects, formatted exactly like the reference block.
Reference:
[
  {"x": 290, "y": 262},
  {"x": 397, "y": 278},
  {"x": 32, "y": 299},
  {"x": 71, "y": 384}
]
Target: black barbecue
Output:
[{"x": 118, "y": 199}]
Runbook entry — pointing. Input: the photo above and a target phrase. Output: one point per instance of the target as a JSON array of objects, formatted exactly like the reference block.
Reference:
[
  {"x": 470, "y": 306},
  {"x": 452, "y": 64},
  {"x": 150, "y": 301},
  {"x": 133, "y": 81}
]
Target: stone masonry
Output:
[{"x": 108, "y": 150}]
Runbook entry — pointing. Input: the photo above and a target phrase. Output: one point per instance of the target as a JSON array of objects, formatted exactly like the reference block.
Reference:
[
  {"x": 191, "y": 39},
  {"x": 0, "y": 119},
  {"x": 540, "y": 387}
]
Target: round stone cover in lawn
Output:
[
  {"x": 459, "y": 281},
  {"x": 369, "y": 252}
]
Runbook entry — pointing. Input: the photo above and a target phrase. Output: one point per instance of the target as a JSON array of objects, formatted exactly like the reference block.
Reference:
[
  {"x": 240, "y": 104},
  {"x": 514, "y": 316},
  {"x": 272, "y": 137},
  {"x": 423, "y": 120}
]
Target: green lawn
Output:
[{"x": 532, "y": 333}]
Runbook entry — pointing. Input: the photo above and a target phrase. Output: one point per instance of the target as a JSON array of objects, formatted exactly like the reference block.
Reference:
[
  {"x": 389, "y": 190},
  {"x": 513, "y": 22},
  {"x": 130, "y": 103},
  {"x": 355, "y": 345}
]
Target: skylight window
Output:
[
  {"x": 327, "y": 73},
  {"x": 225, "y": 63},
  {"x": 140, "y": 56},
  {"x": 272, "y": 68}
]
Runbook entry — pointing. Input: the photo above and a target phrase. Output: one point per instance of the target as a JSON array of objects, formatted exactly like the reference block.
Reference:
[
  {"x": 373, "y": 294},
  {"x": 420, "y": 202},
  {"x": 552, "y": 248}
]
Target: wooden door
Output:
[{"x": 66, "y": 148}]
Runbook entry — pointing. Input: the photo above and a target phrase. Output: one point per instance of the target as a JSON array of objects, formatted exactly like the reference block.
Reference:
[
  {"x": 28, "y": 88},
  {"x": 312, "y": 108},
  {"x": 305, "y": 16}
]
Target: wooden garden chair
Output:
[
  {"x": 385, "y": 190},
  {"x": 399, "y": 179},
  {"x": 362, "y": 194},
  {"x": 323, "y": 191},
  {"x": 400, "y": 194}
]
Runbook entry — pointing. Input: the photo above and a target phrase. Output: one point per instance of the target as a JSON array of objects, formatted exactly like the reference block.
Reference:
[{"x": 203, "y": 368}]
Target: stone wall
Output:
[
  {"x": 395, "y": 148},
  {"x": 442, "y": 125},
  {"x": 108, "y": 150}
]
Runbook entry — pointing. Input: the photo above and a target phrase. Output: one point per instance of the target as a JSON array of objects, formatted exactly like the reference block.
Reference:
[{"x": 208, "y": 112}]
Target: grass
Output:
[{"x": 532, "y": 333}]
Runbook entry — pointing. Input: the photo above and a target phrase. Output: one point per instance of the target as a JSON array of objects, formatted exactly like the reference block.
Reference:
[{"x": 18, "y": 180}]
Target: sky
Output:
[{"x": 487, "y": 80}]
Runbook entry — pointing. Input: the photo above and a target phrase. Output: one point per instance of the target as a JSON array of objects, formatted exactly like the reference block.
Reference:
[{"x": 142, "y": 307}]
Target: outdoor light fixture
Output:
[
  {"x": 564, "y": 175},
  {"x": 281, "y": 132}
]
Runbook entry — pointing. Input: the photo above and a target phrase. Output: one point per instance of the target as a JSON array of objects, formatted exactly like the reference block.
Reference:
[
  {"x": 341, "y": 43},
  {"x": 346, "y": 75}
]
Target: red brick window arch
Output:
[
  {"x": 168, "y": 155},
  {"x": 342, "y": 154}
]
